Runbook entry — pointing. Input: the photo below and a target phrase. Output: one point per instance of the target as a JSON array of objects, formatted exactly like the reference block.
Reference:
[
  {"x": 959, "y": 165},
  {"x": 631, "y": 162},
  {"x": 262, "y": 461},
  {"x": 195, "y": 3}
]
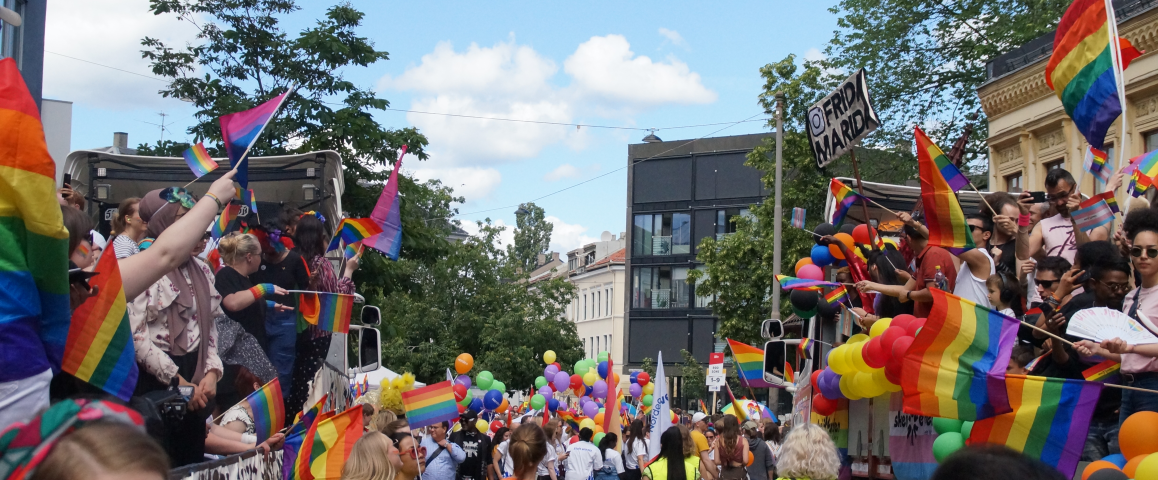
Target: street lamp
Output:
[{"x": 521, "y": 211}]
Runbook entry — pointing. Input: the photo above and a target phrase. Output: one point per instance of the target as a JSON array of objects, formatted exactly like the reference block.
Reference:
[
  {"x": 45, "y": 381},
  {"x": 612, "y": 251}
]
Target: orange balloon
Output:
[
  {"x": 599, "y": 429},
  {"x": 1132, "y": 465},
  {"x": 1095, "y": 466},
  {"x": 599, "y": 418},
  {"x": 835, "y": 251},
  {"x": 1137, "y": 435},
  {"x": 463, "y": 363},
  {"x": 503, "y": 406},
  {"x": 802, "y": 262},
  {"x": 750, "y": 458},
  {"x": 846, "y": 239}
]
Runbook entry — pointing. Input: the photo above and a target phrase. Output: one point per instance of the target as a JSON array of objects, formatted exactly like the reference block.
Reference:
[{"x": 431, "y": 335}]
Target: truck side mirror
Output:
[
  {"x": 369, "y": 348},
  {"x": 371, "y": 316}
]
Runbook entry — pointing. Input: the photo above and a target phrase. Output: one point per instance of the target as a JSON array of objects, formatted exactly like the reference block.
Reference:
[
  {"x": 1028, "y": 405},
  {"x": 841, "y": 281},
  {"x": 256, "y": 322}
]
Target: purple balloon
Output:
[
  {"x": 546, "y": 391},
  {"x": 583, "y": 400},
  {"x": 550, "y": 371},
  {"x": 635, "y": 390},
  {"x": 463, "y": 380},
  {"x": 830, "y": 387},
  {"x": 590, "y": 409},
  {"x": 599, "y": 390},
  {"x": 562, "y": 381}
]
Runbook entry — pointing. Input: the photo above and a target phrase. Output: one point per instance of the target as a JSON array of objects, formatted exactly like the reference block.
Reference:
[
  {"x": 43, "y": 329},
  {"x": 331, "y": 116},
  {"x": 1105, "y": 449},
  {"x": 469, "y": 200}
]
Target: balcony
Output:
[{"x": 660, "y": 298}]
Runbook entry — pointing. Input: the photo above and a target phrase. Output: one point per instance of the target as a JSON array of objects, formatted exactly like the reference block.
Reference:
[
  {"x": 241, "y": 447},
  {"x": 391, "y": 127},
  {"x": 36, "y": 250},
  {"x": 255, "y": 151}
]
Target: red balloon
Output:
[
  {"x": 823, "y": 406},
  {"x": 890, "y": 336},
  {"x": 902, "y": 320},
  {"x": 901, "y": 347},
  {"x": 815, "y": 383},
  {"x": 642, "y": 379},
  {"x": 577, "y": 382},
  {"x": 893, "y": 370},
  {"x": 459, "y": 392},
  {"x": 861, "y": 234},
  {"x": 461, "y": 409},
  {"x": 913, "y": 326},
  {"x": 874, "y": 354},
  {"x": 496, "y": 425},
  {"x": 557, "y": 366}
]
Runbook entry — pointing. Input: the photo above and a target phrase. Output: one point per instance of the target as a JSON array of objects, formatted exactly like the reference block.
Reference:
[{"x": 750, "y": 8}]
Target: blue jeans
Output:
[
  {"x": 606, "y": 473},
  {"x": 1101, "y": 440},
  {"x": 281, "y": 332},
  {"x": 1133, "y": 402}
]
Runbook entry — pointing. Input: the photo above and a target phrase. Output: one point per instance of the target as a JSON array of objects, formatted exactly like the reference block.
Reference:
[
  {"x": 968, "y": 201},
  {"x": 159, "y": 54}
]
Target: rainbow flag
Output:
[
  {"x": 248, "y": 198},
  {"x": 1049, "y": 420},
  {"x": 268, "y": 409},
  {"x": 1139, "y": 183},
  {"x": 296, "y": 435},
  {"x": 837, "y": 295},
  {"x": 352, "y": 251},
  {"x": 328, "y": 445},
  {"x": 943, "y": 214},
  {"x": 793, "y": 283},
  {"x": 1095, "y": 163},
  {"x": 1102, "y": 371},
  {"x": 750, "y": 364},
  {"x": 956, "y": 366},
  {"x": 327, "y": 311},
  {"x": 952, "y": 175},
  {"x": 387, "y": 214},
  {"x": 307, "y": 417},
  {"x": 33, "y": 240},
  {"x": 804, "y": 348},
  {"x": 739, "y": 410},
  {"x": 198, "y": 160},
  {"x": 1081, "y": 69},
  {"x": 1145, "y": 164},
  {"x": 99, "y": 349},
  {"x": 240, "y": 131},
  {"x": 221, "y": 225},
  {"x": 430, "y": 405},
  {"x": 568, "y": 417},
  {"x": 789, "y": 373},
  {"x": 1111, "y": 200},
  {"x": 844, "y": 198},
  {"x": 354, "y": 230}
]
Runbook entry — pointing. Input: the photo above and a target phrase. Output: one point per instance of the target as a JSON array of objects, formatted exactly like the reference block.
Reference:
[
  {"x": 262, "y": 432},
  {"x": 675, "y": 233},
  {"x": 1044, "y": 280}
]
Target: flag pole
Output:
[
  {"x": 245, "y": 155},
  {"x": 864, "y": 198},
  {"x": 1119, "y": 80}
]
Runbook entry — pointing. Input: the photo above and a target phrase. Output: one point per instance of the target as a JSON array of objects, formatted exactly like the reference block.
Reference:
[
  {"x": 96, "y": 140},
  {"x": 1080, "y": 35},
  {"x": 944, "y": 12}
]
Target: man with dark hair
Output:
[
  {"x": 1056, "y": 235},
  {"x": 930, "y": 260},
  {"x": 583, "y": 457},
  {"x": 993, "y": 462},
  {"x": 977, "y": 265},
  {"x": 442, "y": 457},
  {"x": 475, "y": 445}
]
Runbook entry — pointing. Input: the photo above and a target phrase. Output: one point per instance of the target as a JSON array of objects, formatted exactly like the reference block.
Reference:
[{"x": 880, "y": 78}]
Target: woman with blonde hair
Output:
[
  {"x": 128, "y": 228},
  {"x": 808, "y": 454},
  {"x": 528, "y": 447},
  {"x": 371, "y": 459}
]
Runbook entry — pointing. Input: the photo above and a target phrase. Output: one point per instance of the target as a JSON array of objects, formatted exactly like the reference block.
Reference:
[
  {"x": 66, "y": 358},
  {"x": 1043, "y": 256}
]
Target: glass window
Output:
[
  {"x": 599, "y": 304},
  {"x": 726, "y": 220},
  {"x": 585, "y": 306},
  {"x": 1013, "y": 183},
  {"x": 662, "y": 234},
  {"x": 1151, "y": 140},
  {"x": 660, "y": 287},
  {"x": 703, "y": 301}
]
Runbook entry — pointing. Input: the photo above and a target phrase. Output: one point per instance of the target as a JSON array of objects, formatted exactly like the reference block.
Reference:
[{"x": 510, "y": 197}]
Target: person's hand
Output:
[
  {"x": 866, "y": 286},
  {"x": 1115, "y": 181},
  {"x": 1074, "y": 201},
  {"x": 77, "y": 294},
  {"x": 282, "y": 308},
  {"x": 1086, "y": 348},
  {"x": 866, "y": 321},
  {"x": 1005, "y": 224},
  {"x": 351, "y": 265},
  {"x": 198, "y": 399},
  {"x": 1066, "y": 284},
  {"x": 223, "y": 187},
  {"x": 273, "y": 443},
  {"x": 1028, "y": 267},
  {"x": 903, "y": 275},
  {"x": 1116, "y": 345},
  {"x": 280, "y": 291},
  {"x": 70, "y": 197},
  {"x": 826, "y": 240},
  {"x": 904, "y": 217},
  {"x": 1055, "y": 323},
  {"x": 1024, "y": 203},
  {"x": 208, "y": 385},
  {"x": 1123, "y": 242}
]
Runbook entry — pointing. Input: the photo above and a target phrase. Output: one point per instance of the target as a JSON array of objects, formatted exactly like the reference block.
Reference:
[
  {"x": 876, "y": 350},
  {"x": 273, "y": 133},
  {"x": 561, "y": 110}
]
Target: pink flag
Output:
[{"x": 388, "y": 215}]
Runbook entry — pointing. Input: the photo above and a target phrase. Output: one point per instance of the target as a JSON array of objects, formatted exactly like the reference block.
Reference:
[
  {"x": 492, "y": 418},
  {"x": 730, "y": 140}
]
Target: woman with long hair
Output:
[
  {"x": 612, "y": 461},
  {"x": 882, "y": 267},
  {"x": 371, "y": 459},
  {"x": 284, "y": 267},
  {"x": 527, "y": 448},
  {"x": 128, "y": 228},
  {"x": 731, "y": 452},
  {"x": 634, "y": 450},
  {"x": 495, "y": 469},
  {"x": 808, "y": 454},
  {"x": 672, "y": 464}
]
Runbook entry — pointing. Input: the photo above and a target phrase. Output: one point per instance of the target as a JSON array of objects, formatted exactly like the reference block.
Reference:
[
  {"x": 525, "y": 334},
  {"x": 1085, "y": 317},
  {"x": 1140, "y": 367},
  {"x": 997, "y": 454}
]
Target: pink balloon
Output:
[{"x": 810, "y": 272}]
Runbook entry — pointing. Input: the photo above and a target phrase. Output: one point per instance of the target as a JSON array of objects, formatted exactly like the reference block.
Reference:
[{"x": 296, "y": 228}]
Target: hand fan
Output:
[{"x": 1100, "y": 323}]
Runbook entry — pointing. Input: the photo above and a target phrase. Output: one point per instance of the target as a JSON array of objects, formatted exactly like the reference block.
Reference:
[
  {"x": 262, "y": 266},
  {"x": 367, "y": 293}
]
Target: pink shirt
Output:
[
  {"x": 1148, "y": 305},
  {"x": 1057, "y": 234}
]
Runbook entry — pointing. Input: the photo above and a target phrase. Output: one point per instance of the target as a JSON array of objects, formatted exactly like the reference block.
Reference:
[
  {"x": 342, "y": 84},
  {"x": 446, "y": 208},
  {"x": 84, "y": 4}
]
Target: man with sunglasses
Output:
[
  {"x": 1056, "y": 235},
  {"x": 444, "y": 456}
]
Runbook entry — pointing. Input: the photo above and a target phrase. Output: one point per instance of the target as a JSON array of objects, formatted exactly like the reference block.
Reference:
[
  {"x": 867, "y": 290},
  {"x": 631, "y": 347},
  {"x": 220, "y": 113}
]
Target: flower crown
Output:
[{"x": 316, "y": 214}]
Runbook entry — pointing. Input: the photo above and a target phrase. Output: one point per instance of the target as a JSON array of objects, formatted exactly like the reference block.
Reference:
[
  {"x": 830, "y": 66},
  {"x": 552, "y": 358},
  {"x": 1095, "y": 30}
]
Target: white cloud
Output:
[
  {"x": 506, "y": 237},
  {"x": 504, "y": 70},
  {"x": 566, "y": 236},
  {"x": 565, "y": 170},
  {"x": 673, "y": 37},
  {"x": 605, "y": 67},
  {"x": 814, "y": 54}
]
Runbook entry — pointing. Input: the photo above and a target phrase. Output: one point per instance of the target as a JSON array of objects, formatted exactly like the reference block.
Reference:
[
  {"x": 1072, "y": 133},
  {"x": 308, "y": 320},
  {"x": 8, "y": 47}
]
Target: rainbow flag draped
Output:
[
  {"x": 328, "y": 445},
  {"x": 240, "y": 131},
  {"x": 1081, "y": 69},
  {"x": 198, "y": 160},
  {"x": 793, "y": 283},
  {"x": 956, "y": 366},
  {"x": 327, "y": 311},
  {"x": 844, "y": 198},
  {"x": 34, "y": 308},
  {"x": 749, "y": 364},
  {"x": 943, "y": 214},
  {"x": 1049, "y": 421},
  {"x": 354, "y": 230},
  {"x": 430, "y": 405},
  {"x": 268, "y": 410},
  {"x": 296, "y": 435},
  {"x": 221, "y": 225},
  {"x": 99, "y": 349},
  {"x": 387, "y": 214}
]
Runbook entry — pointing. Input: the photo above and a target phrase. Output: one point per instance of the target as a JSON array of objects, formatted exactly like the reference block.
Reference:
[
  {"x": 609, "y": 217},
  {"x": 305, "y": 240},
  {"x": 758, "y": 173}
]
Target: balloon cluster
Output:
[
  {"x": 1139, "y": 457},
  {"x": 806, "y": 303},
  {"x": 492, "y": 400},
  {"x": 867, "y": 365},
  {"x": 951, "y": 436}
]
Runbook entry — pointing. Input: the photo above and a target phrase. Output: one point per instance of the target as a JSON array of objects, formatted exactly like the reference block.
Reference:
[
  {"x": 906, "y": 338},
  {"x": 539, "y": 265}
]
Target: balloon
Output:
[
  {"x": 835, "y": 251},
  {"x": 825, "y": 229},
  {"x": 1098, "y": 465},
  {"x": 1148, "y": 469},
  {"x": 858, "y": 338},
  {"x": 590, "y": 378},
  {"x": 467, "y": 399},
  {"x": 587, "y": 390},
  {"x": 813, "y": 379},
  {"x": 459, "y": 392},
  {"x": 856, "y": 354},
  {"x": 824, "y": 406},
  {"x": 890, "y": 336},
  {"x": 587, "y": 423},
  {"x": 476, "y": 405},
  {"x": 484, "y": 379},
  {"x": 643, "y": 378},
  {"x": 811, "y": 272},
  {"x": 880, "y": 378},
  {"x": 830, "y": 386},
  {"x": 800, "y": 263},
  {"x": 946, "y": 425},
  {"x": 804, "y": 313},
  {"x": 1136, "y": 437},
  {"x": 913, "y": 326},
  {"x": 603, "y": 356},
  {"x": 500, "y": 386},
  {"x": 635, "y": 390},
  {"x": 598, "y": 429},
  {"x": 647, "y": 400},
  {"x": 902, "y": 320},
  {"x": 868, "y": 387},
  {"x": 495, "y": 426},
  {"x": 860, "y": 234},
  {"x": 649, "y": 389},
  {"x": 946, "y": 444},
  {"x": 545, "y": 391},
  {"x": 879, "y": 327},
  {"x": 576, "y": 381},
  {"x": 846, "y": 239},
  {"x": 635, "y": 377},
  {"x": 838, "y": 361},
  {"x": 538, "y": 402},
  {"x": 966, "y": 429},
  {"x": 598, "y": 418},
  {"x": 846, "y": 388},
  {"x": 463, "y": 363},
  {"x": 804, "y": 300},
  {"x": 614, "y": 380},
  {"x": 1116, "y": 459},
  {"x": 901, "y": 346},
  {"x": 503, "y": 406},
  {"x": 893, "y": 370},
  {"x": 598, "y": 437},
  {"x": 549, "y": 356},
  {"x": 552, "y": 404},
  {"x": 550, "y": 371},
  {"x": 461, "y": 409},
  {"x": 462, "y": 380},
  {"x": 874, "y": 354},
  {"x": 1108, "y": 474},
  {"x": 602, "y": 369},
  {"x": 482, "y": 426},
  {"x": 540, "y": 381},
  {"x": 590, "y": 409},
  {"x": 827, "y": 310},
  {"x": 820, "y": 256},
  {"x": 1131, "y": 468},
  {"x": 562, "y": 381},
  {"x": 599, "y": 389}
]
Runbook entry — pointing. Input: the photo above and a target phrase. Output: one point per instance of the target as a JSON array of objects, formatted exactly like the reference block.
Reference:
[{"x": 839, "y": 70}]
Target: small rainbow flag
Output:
[
  {"x": 789, "y": 374},
  {"x": 804, "y": 347},
  {"x": 1096, "y": 164},
  {"x": 327, "y": 311},
  {"x": 703, "y": 408},
  {"x": 1102, "y": 371},
  {"x": 248, "y": 198},
  {"x": 793, "y": 283},
  {"x": 943, "y": 214},
  {"x": 328, "y": 445},
  {"x": 353, "y": 250},
  {"x": 307, "y": 417},
  {"x": 222, "y": 224},
  {"x": 956, "y": 366},
  {"x": 1049, "y": 420},
  {"x": 1139, "y": 183},
  {"x": 837, "y": 295},
  {"x": 268, "y": 410},
  {"x": 99, "y": 349},
  {"x": 844, "y": 198},
  {"x": 198, "y": 160},
  {"x": 1110, "y": 199},
  {"x": 354, "y": 230},
  {"x": 750, "y": 364},
  {"x": 430, "y": 405}
]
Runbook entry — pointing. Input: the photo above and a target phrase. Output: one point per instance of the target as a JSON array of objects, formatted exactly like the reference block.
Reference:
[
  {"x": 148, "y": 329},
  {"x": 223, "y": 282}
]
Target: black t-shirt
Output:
[
  {"x": 252, "y": 318},
  {"x": 478, "y": 453},
  {"x": 1006, "y": 261},
  {"x": 290, "y": 273}
]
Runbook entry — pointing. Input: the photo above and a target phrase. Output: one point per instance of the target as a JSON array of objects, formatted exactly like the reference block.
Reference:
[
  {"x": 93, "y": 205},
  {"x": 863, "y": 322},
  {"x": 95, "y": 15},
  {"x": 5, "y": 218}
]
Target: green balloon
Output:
[
  {"x": 603, "y": 358},
  {"x": 484, "y": 379},
  {"x": 579, "y": 366},
  {"x": 537, "y": 402},
  {"x": 540, "y": 381},
  {"x": 647, "y": 400},
  {"x": 599, "y": 437},
  {"x": 500, "y": 386},
  {"x": 946, "y": 425},
  {"x": 466, "y": 400},
  {"x": 946, "y": 444},
  {"x": 804, "y": 313}
]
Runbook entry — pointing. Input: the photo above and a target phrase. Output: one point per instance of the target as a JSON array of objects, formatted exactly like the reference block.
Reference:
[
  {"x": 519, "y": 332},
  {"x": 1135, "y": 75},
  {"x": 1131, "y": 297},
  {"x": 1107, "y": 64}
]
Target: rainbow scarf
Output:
[
  {"x": 198, "y": 160},
  {"x": 750, "y": 364},
  {"x": 328, "y": 445},
  {"x": 99, "y": 349},
  {"x": 33, "y": 240},
  {"x": 327, "y": 311},
  {"x": 1081, "y": 69},
  {"x": 240, "y": 131},
  {"x": 387, "y": 214},
  {"x": 354, "y": 230},
  {"x": 844, "y": 198},
  {"x": 268, "y": 410},
  {"x": 430, "y": 405},
  {"x": 956, "y": 366},
  {"x": 943, "y": 214}
]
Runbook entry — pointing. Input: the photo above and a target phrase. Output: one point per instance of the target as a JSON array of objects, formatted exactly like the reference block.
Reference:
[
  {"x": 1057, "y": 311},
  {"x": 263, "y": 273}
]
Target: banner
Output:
[
  {"x": 660, "y": 412},
  {"x": 910, "y": 442},
  {"x": 841, "y": 119}
]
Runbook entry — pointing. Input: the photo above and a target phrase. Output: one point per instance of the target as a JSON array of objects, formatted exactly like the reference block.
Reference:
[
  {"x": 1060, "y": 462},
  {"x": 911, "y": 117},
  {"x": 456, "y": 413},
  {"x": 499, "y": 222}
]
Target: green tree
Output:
[
  {"x": 648, "y": 365},
  {"x": 532, "y": 236},
  {"x": 163, "y": 148},
  {"x": 695, "y": 379}
]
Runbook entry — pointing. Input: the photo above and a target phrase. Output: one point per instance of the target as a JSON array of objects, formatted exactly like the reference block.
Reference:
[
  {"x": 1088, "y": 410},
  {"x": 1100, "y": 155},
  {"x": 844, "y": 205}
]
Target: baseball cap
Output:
[
  {"x": 698, "y": 417},
  {"x": 749, "y": 425}
]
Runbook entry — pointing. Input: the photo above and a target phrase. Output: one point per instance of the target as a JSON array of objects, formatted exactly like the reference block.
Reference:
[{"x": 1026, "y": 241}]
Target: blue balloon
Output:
[
  {"x": 821, "y": 256},
  {"x": 493, "y": 399},
  {"x": 602, "y": 369},
  {"x": 1116, "y": 459},
  {"x": 553, "y": 404},
  {"x": 476, "y": 405},
  {"x": 587, "y": 390},
  {"x": 634, "y": 377}
]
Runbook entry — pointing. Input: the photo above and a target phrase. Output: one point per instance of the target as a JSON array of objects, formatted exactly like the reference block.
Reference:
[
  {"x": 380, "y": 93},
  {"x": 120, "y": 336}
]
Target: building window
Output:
[
  {"x": 726, "y": 220},
  {"x": 585, "y": 306},
  {"x": 1053, "y": 165},
  {"x": 12, "y": 38},
  {"x": 660, "y": 287},
  {"x": 1151, "y": 140},
  {"x": 1013, "y": 183},
  {"x": 703, "y": 301},
  {"x": 662, "y": 234},
  {"x": 599, "y": 304}
]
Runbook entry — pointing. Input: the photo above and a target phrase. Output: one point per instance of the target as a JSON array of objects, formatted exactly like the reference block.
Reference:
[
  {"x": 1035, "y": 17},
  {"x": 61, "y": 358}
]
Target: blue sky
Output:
[{"x": 638, "y": 64}]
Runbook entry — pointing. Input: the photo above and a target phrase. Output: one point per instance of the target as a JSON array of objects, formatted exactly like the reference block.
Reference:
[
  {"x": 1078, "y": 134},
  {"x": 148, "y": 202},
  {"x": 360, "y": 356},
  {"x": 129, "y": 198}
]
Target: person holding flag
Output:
[{"x": 1057, "y": 235}]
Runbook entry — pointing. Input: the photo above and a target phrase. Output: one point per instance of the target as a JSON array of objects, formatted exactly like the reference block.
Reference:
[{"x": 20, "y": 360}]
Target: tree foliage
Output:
[
  {"x": 532, "y": 236},
  {"x": 695, "y": 379},
  {"x": 163, "y": 148}
]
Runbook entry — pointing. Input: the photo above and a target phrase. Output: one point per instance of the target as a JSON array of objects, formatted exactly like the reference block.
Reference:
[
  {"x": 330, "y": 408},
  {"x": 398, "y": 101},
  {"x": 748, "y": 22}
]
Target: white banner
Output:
[
  {"x": 841, "y": 119},
  {"x": 660, "y": 408}
]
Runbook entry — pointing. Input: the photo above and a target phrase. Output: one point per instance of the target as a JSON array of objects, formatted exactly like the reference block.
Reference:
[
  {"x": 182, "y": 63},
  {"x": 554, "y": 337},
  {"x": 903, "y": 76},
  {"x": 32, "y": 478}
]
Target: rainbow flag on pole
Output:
[
  {"x": 430, "y": 405},
  {"x": 956, "y": 366},
  {"x": 268, "y": 410},
  {"x": 328, "y": 445},
  {"x": 1049, "y": 420},
  {"x": 327, "y": 311},
  {"x": 387, "y": 214},
  {"x": 1083, "y": 70},
  {"x": 952, "y": 175},
  {"x": 837, "y": 295},
  {"x": 804, "y": 348},
  {"x": 793, "y": 283},
  {"x": 1095, "y": 163},
  {"x": 198, "y": 160},
  {"x": 221, "y": 225},
  {"x": 354, "y": 230},
  {"x": 1102, "y": 371},
  {"x": 749, "y": 362},
  {"x": 240, "y": 131},
  {"x": 943, "y": 214},
  {"x": 844, "y": 198},
  {"x": 296, "y": 435},
  {"x": 99, "y": 349},
  {"x": 33, "y": 240}
]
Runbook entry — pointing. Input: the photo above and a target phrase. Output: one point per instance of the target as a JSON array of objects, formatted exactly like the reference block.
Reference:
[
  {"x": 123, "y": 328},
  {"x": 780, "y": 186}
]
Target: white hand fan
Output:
[{"x": 1101, "y": 323}]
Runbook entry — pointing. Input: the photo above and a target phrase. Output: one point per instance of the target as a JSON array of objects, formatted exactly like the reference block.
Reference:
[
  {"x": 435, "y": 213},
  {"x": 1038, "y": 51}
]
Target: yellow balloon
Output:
[
  {"x": 880, "y": 378},
  {"x": 865, "y": 385},
  {"x": 856, "y": 355},
  {"x": 549, "y": 356},
  {"x": 1148, "y": 469},
  {"x": 587, "y": 423},
  {"x": 878, "y": 327},
  {"x": 837, "y": 361},
  {"x": 858, "y": 338},
  {"x": 590, "y": 378},
  {"x": 649, "y": 388},
  {"x": 846, "y": 388},
  {"x": 482, "y": 426}
]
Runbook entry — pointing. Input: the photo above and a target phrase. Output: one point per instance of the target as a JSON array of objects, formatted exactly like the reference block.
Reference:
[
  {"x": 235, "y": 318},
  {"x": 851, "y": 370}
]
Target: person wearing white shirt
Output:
[
  {"x": 634, "y": 450},
  {"x": 612, "y": 461},
  {"x": 583, "y": 458}
]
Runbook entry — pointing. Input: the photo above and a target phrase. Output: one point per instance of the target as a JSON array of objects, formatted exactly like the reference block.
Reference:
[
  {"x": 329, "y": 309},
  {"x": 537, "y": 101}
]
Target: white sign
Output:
[
  {"x": 716, "y": 376},
  {"x": 841, "y": 119},
  {"x": 713, "y": 388}
]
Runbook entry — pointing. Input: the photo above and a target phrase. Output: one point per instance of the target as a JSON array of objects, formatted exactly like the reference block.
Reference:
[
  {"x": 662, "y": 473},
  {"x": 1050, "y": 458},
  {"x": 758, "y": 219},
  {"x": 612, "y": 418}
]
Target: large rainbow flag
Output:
[
  {"x": 430, "y": 405},
  {"x": 240, "y": 130},
  {"x": 34, "y": 308},
  {"x": 844, "y": 198},
  {"x": 1081, "y": 69},
  {"x": 327, "y": 311},
  {"x": 268, "y": 409},
  {"x": 99, "y": 349},
  {"x": 749, "y": 362},
  {"x": 328, "y": 445},
  {"x": 1049, "y": 421},
  {"x": 943, "y": 214},
  {"x": 354, "y": 230},
  {"x": 956, "y": 366},
  {"x": 388, "y": 214}
]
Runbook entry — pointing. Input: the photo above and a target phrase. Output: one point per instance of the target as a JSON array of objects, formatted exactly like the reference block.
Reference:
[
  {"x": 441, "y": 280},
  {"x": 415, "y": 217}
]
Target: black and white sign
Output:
[
  {"x": 841, "y": 119},
  {"x": 715, "y": 376}
]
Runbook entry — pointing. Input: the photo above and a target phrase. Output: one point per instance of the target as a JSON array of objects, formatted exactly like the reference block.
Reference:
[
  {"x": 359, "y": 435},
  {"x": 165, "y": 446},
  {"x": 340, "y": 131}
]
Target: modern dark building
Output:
[
  {"x": 25, "y": 43},
  {"x": 679, "y": 192}
]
